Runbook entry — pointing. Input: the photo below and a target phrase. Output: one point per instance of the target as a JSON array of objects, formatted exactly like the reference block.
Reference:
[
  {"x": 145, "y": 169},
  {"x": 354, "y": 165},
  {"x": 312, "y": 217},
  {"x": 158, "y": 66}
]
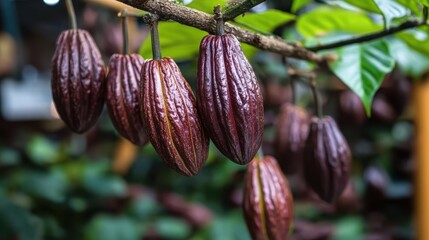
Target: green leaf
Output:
[
  {"x": 172, "y": 228},
  {"x": 414, "y": 6},
  {"x": 206, "y": 5},
  {"x": 325, "y": 20},
  {"x": 403, "y": 53},
  {"x": 50, "y": 185},
  {"x": 266, "y": 21},
  {"x": 297, "y": 4},
  {"x": 18, "y": 222},
  {"x": 389, "y": 9},
  {"x": 362, "y": 68},
  {"x": 425, "y": 2},
  {"x": 417, "y": 39},
  {"x": 111, "y": 228},
  {"x": 41, "y": 150},
  {"x": 350, "y": 228},
  {"x": 178, "y": 41}
]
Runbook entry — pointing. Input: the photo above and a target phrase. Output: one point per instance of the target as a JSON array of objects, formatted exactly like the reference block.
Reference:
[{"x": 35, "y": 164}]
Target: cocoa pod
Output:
[
  {"x": 267, "y": 201},
  {"x": 229, "y": 98},
  {"x": 291, "y": 132},
  {"x": 170, "y": 117},
  {"x": 351, "y": 108},
  {"x": 78, "y": 80},
  {"x": 327, "y": 159},
  {"x": 123, "y": 96}
]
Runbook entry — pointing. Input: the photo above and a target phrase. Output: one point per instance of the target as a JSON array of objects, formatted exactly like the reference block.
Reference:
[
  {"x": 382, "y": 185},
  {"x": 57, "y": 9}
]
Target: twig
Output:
[
  {"x": 236, "y": 9},
  {"x": 365, "y": 38},
  {"x": 169, "y": 10},
  {"x": 312, "y": 83},
  {"x": 123, "y": 14},
  {"x": 72, "y": 15}
]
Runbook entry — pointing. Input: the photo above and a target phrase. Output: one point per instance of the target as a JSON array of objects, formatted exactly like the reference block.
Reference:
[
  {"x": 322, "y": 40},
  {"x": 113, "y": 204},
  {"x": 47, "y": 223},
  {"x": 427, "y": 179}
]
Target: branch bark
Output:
[
  {"x": 169, "y": 10},
  {"x": 236, "y": 9}
]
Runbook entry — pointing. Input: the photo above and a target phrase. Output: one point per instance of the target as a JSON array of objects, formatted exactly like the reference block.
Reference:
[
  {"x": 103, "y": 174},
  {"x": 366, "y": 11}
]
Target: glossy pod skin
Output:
[
  {"x": 267, "y": 201},
  {"x": 170, "y": 117},
  {"x": 123, "y": 96},
  {"x": 229, "y": 99},
  {"x": 327, "y": 159},
  {"x": 78, "y": 80},
  {"x": 291, "y": 131}
]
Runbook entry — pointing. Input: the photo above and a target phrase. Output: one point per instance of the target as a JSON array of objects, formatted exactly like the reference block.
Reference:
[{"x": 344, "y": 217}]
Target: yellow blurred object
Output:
[
  {"x": 7, "y": 54},
  {"x": 421, "y": 94},
  {"x": 125, "y": 155},
  {"x": 117, "y": 6}
]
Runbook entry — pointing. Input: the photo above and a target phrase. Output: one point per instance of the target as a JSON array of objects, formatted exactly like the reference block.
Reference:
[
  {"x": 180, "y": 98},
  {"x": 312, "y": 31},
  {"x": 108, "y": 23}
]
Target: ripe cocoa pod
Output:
[
  {"x": 78, "y": 80},
  {"x": 123, "y": 96},
  {"x": 351, "y": 108},
  {"x": 327, "y": 159},
  {"x": 291, "y": 132},
  {"x": 170, "y": 117},
  {"x": 229, "y": 99},
  {"x": 267, "y": 200}
]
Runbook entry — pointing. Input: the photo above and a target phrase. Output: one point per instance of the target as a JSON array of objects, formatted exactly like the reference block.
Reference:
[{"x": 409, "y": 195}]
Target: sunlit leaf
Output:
[
  {"x": 416, "y": 39},
  {"x": 266, "y": 21},
  {"x": 362, "y": 68},
  {"x": 112, "y": 228},
  {"x": 325, "y": 20},
  {"x": 414, "y": 6},
  {"x": 297, "y": 4},
  {"x": 206, "y": 5}
]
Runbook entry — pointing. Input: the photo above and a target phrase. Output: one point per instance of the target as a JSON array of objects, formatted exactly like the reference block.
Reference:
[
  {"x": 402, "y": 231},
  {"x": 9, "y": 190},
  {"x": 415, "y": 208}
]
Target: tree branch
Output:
[
  {"x": 373, "y": 36},
  {"x": 236, "y": 9},
  {"x": 166, "y": 9}
]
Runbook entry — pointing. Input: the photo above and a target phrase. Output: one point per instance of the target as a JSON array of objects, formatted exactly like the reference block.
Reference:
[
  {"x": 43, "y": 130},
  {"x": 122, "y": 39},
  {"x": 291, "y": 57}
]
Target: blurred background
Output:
[{"x": 58, "y": 185}]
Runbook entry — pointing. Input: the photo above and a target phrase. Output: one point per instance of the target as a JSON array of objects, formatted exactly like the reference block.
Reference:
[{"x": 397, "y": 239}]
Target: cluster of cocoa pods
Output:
[{"x": 150, "y": 101}]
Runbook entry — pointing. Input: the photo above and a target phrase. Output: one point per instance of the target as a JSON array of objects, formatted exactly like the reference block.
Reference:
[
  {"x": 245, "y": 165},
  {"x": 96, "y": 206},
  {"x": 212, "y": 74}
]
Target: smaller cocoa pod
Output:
[
  {"x": 267, "y": 201},
  {"x": 78, "y": 80},
  {"x": 123, "y": 96},
  {"x": 170, "y": 117},
  {"x": 291, "y": 132},
  {"x": 327, "y": 159}
]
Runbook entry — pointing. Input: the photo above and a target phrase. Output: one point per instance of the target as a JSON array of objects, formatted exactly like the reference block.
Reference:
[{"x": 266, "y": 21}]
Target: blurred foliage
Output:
[{"x": 56, "y": 185}]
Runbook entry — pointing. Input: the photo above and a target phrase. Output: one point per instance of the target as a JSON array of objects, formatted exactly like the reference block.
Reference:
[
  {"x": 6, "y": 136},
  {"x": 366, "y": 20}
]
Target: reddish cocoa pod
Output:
[
  {"x": 170, "y": 117},
  {"x": 229, "y": 99},
  {"x": 123, "y": 96},
  {"x": 327, "y": 159},
  {"x": 267, "y": 201},
  {"x": 78, "y": 80},
  {"x": 291, "y": 132}
]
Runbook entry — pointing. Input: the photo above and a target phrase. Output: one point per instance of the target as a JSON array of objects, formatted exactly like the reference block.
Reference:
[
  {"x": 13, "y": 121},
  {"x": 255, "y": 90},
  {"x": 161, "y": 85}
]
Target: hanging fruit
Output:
[
  {"x": 267, "y": 201},
  {"x": 123, "y": 92},
  {"x": 327, "y": 159},
  {"x": 78, "y": 78},
  {"x": 291, "y": 132},
  {"x": 228, "y": 96},
  {"x": 170, "y": 114}
]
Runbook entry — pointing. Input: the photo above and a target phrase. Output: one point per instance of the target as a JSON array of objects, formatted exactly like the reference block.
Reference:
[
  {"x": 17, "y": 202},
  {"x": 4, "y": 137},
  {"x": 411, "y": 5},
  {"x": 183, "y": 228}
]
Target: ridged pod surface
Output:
[
  {"x": 327, "y": 159},
  {"x": 229, "y": 99},
  {"x": 291, "y": 132},
  {"x": 78, "y": 80},
  {"x": 170, "y": 117},
  {"x": 123, "y": 96},
  {"x": 267, "y": 201}
]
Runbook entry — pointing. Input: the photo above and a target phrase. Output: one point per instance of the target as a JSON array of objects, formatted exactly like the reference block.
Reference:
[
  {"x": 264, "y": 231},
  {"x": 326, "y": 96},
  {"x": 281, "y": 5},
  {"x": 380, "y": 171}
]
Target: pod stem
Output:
[
  {"x": 156, "y": 46},
  {"x": 126, "y": 47},
  {"x": 317, "y": 102},
  {"x": 220, "y": 24},
  {"x": 72, "y": 14}
]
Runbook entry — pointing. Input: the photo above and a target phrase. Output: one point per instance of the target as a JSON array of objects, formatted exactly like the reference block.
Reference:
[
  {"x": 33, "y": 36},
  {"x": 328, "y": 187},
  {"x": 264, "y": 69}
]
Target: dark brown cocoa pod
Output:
[
  {"x": 123, "y": 96},
  {"x": 229, "y": 99},
  {"x": 327, "y": 159},
  {"x": 170, "y": 117},
  {"x": 351, "y": 108},
  {"x": 78, "y": 80},
  {"x": 291, "y": 131},
  {"x": 267, "y": 201}
]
